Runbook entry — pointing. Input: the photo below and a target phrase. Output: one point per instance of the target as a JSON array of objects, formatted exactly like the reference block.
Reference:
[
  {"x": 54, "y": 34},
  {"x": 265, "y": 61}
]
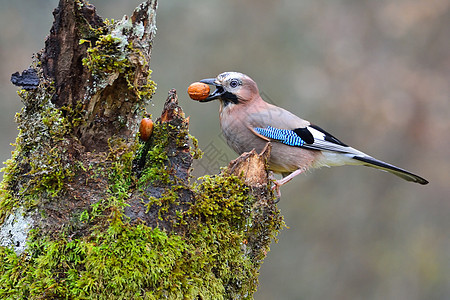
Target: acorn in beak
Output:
[{"x": 217, "y": 93}]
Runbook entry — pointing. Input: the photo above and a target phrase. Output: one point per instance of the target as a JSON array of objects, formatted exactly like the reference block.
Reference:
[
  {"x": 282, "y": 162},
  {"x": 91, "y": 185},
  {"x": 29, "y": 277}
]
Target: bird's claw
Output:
[{"x": 276, "y": 187}]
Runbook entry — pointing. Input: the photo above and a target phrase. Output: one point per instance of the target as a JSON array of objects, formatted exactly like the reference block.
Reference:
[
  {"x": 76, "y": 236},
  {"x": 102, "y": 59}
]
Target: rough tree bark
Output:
[{"x": 87, "y": 210}]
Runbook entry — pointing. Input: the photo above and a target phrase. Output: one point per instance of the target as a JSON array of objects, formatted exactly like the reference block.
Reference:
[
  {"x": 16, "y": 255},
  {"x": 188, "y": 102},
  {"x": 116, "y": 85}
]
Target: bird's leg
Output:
[
  {"x": 279, "y": 183},
  {"x": 289, "y": 177},
  {"x": 273, "y": 179}
]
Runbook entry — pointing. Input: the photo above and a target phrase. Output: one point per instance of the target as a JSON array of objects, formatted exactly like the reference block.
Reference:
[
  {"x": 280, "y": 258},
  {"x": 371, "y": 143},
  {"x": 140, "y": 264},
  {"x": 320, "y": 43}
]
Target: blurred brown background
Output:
[{"x": 374, "y": 73}]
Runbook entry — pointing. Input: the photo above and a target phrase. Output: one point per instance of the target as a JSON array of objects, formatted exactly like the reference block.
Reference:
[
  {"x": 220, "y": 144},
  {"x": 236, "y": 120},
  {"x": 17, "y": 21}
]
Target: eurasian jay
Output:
[{"x": 248, "y": 122}]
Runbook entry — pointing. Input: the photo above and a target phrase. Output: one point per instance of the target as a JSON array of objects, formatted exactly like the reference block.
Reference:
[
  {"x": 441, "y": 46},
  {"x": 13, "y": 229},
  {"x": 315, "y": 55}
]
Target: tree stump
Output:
[{"x": 87, "y": 210}]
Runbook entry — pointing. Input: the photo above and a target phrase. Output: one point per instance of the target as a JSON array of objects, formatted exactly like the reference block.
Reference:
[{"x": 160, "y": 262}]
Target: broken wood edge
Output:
[{"x": 252, "y": 166}]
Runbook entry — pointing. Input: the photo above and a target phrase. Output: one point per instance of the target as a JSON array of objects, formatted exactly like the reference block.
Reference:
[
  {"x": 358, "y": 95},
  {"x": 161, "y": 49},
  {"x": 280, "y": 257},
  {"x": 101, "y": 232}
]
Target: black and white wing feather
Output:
[
  {"x": 310, "y": 137},
  {"x": 335, "y": 152}
]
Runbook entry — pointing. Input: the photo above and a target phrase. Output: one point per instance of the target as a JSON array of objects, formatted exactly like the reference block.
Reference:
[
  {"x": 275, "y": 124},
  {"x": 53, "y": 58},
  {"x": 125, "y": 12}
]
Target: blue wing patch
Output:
[{"x": 285, "y": 136}]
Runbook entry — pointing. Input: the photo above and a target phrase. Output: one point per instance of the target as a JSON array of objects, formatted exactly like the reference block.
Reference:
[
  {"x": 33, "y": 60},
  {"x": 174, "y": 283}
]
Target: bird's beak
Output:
[{"x": 217, "y": 93}]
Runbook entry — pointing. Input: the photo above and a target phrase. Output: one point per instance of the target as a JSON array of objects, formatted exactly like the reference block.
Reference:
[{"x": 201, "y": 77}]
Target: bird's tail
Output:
[{"x": 378, "y": 164}]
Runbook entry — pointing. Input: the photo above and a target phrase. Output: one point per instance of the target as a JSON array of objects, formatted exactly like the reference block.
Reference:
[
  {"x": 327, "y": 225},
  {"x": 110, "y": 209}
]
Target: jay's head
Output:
[{"x": 232, "y": 88}]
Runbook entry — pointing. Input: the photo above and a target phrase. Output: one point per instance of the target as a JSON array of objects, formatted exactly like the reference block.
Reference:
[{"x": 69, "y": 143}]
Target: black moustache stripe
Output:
[{"x": 230, "y": 97}]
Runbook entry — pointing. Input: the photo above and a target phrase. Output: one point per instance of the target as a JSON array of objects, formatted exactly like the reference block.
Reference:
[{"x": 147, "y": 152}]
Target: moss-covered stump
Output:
[{"x": 88, "y": 211}]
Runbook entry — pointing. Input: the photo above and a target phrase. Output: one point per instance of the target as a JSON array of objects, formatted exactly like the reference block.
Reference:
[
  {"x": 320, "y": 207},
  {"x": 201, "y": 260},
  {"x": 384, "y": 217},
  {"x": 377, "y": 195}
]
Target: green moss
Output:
[
  {"x": 73, "y": 115},
  {"x": 222, "y": 211},
  {"x": 168, "y": 198},
  {"x": 84, "y": 27},
  {"x": 111, "y": 54},
  {"x": 121, "y": 156},
  {"x": 39, "y": 168},
  {"x": 156, "y": 167},
  {"x": 118, "y": 260},
  {"x": 224, "y": 204},
  {"x": 122, "y": 261},
  {"x": 219, "y": 224},
  {"x": 196, "y": 152},
  {"x": 7, "y": 200},
  {"x": 146, "y": 90},
  {"x": 105, "y": 56},
  {"x": 48, "y": 173}
]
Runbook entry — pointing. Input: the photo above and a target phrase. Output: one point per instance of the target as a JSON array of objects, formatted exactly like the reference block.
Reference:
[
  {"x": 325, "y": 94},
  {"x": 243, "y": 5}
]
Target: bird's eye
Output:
[{"x": 234, "y": 83}]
